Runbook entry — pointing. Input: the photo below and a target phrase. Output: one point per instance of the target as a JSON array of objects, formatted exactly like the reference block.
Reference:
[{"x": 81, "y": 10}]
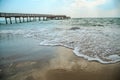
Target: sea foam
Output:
[
  {"x": 91, "y": 44},
  {"x": 94, "y": 43}
]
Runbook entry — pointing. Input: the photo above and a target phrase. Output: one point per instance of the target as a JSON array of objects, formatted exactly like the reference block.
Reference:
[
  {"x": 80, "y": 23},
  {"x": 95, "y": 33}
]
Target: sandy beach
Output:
[{"x": 64, "y": 65}]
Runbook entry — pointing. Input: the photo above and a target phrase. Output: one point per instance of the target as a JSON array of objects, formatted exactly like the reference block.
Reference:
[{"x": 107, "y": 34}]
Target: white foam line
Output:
[{"x": 76, "y": 51}]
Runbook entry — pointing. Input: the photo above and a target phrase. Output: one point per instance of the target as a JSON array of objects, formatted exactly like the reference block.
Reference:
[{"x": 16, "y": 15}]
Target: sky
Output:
[{"x": 72, "y": 8}]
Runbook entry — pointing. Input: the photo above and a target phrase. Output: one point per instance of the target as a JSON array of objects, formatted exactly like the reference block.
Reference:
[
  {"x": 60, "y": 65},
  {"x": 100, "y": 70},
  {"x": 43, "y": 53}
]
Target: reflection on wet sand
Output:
[{"x": 63, "y": 66}]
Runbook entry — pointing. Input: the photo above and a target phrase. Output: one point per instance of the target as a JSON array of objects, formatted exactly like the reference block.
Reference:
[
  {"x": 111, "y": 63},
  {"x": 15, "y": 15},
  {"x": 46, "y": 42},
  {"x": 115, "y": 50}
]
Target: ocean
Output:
[{"x": 94, "y": 39}]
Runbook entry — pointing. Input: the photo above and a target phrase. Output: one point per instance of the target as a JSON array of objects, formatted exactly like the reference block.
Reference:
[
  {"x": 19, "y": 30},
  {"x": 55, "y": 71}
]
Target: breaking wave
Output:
[
  {"x": 92, "y": 44},
  {"x": 98, "y": 43}
]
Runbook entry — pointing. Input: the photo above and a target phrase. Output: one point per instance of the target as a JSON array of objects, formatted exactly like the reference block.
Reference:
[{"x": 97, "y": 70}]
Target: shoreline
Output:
[{"x": 63, "y": 66}]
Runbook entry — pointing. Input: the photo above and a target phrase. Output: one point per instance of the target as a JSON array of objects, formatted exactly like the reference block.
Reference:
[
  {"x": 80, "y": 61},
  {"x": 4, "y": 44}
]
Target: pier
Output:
[{"x": 22, "y": 17}]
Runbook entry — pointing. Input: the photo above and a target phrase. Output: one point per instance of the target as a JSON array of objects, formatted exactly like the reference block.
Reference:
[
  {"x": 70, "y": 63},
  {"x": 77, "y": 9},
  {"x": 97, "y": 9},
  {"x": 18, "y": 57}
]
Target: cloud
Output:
[
  {"x": 73, "y": 8},
  {"x": 88, "y": 4},
  {"x": 92, "y": 8}
]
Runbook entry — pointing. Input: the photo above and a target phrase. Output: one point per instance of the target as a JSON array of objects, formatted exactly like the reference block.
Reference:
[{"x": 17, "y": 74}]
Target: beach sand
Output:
[{"x": 64, "y": 65}]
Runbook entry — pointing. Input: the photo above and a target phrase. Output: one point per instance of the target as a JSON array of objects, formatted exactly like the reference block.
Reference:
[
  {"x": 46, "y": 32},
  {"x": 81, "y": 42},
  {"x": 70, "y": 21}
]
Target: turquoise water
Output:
[{"x": 91, "y": 38}]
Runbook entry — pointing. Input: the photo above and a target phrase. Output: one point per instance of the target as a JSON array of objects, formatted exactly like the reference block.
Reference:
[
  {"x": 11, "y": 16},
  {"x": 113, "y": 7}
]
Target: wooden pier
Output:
[{"x": 22, "y": 17}]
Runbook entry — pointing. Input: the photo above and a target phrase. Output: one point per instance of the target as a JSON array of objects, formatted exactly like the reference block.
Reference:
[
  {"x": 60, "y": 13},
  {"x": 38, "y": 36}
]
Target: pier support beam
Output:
[
  {"x": 15, "y": 20},
  {"x": 44, "y": 18},
  {"x": 20, "y": 20},
  {"x": 30, "y": 19},
  {"x": 23, "y": 19},
  {"x": 6, "y": 20},
  {"x": 39, "y": 18},
  {"x": 56, "y": 18},
  {"x": 27, "y": 19},
  {"x": 10, "y": 20},
  {"x": 34, "y": 18}
]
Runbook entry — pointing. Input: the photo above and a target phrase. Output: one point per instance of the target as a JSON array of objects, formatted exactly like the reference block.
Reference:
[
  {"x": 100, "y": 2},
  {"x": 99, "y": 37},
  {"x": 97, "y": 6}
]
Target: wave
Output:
[{"x": 92, "y": 43}]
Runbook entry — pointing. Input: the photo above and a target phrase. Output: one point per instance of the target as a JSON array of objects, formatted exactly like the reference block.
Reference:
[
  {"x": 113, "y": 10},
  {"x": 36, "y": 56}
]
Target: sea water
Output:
[{"x": 95, "y": 39}]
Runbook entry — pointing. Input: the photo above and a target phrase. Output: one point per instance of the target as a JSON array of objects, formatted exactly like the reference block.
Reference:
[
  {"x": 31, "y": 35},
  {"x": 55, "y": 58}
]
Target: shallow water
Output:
[{"x": 90, "y": 38}]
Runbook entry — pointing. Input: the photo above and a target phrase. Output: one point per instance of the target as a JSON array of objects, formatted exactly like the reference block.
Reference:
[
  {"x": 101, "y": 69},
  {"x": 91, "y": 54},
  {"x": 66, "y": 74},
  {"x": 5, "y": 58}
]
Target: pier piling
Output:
[{"x": 6, "y": 20}]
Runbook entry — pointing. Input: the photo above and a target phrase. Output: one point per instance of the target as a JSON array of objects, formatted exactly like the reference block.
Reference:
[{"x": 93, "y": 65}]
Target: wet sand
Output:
[{"x": 64, "y": 65}]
